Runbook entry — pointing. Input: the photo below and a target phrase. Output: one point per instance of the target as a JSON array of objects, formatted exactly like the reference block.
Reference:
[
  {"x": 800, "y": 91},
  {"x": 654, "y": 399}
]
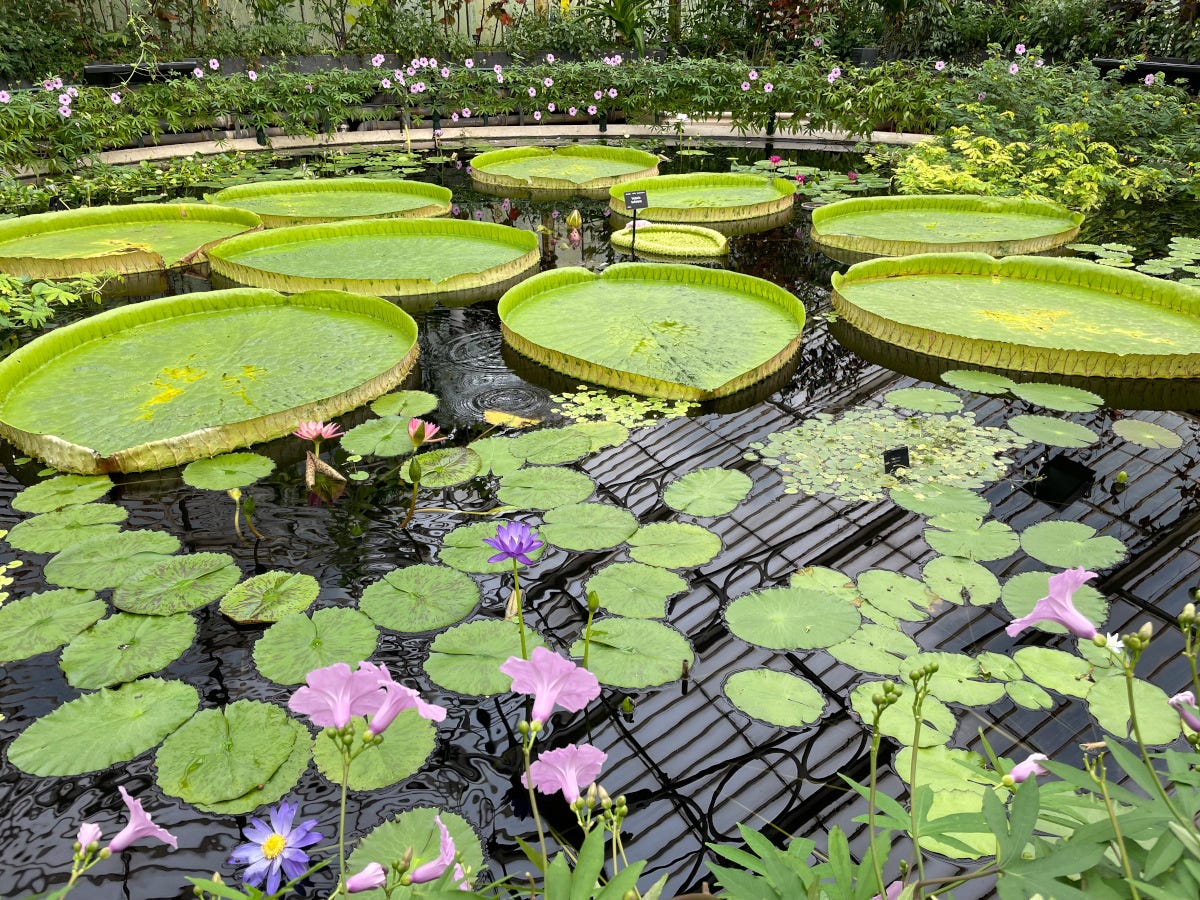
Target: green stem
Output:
[
  {"x": 587, "y": 635},
  {"x": 526, "y": 747},
  {"x": 1190, "y": 652},
  {"x": 341, "y": 885},
  {"x": 1145, "y": 754},
  {"x": 1112, "y": 818},
  {"x": 953, "y": 880},
  {"x": 914, "y": 827},
  {"x": 521, "y": 625},
  {"x": 875, "y": 742},
  {"x": 412, "y": 505}
]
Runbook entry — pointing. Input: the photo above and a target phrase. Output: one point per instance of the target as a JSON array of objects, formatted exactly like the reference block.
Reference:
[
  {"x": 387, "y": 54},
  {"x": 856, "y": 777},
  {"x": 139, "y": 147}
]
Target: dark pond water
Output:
[{"x": 691, "y": 765}]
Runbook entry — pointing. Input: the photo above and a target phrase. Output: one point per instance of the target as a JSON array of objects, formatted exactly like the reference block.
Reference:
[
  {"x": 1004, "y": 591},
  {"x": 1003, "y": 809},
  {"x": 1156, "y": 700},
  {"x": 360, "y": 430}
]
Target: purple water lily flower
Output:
[
  {"x": 1184, "y": 703},
  {"x": 1058, "y": 607},
  {"x": 567, "y": 769},
  {"x": 275, "y": 850},
  {"x": 515, "y": 541},
  {"x": 551, "y": 680},
  {"x": 139, "y": 826}
]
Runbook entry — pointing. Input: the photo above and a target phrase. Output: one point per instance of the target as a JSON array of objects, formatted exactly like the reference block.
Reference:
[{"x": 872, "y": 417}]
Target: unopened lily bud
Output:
[
  {"x": 1122, "y": 477},
  {"x": 593, "y": 601},
  {"x": 574, "y": 219},
  {"x": 1145, "y": 632},
  {"x": 1099, "y": 640},
  {"x": 627, "y": 706}
]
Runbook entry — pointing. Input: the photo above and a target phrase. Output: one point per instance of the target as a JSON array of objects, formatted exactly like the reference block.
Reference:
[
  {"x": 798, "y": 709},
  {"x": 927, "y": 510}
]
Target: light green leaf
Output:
[
  {"x": 405, "y": 404},
  {"x": 552, "y": 446},
  {"x": 406, "y": 745},
  {"x": 1109, "y": 703},
  {"x": 1144, "y": 434},
  {"x": 228, "y": 471},
  {"x": 937, "y": 721},
  {"x": 270, "y": 596},
  {"x": 635, "y": 653},
  {"x": 106, "y": 561},
  {"x": 899, "y": 596},
  {"x": 934, "y": 499},
  {"x": 445, "y": 467},
  {"x": 674, "y": 545},
  {"x": 420, "y": 598},
  {"x": 277, "y": 786},
  {"x": 43, "y": 622},
  {"x": 1022, "y": 592},
  {"x": 931, "y": 400},
  {"x": 60, "y": 491},
  {"x": 1028, "y": 695},
  {"x": 978, "y": 382},
  {"x": 496, "y": 456},
  {"x": 1053, "y": 432},
  {"x": 877, "y": 649},
  {"x": 467, "y": 658},
  {"x": 124, "y": 647},
  {"x": 588, "y": 526},
  {"x": 964, "y": 535},
  {"x": 776, "y": 697},
  {"x": 635, "y": 590},
  {"x": 603, "y": 434},
  {"x": 1060, "y": 397},
  {"x": 414, "y": 830},
  {"x": 54, "y": 531},
  {"x": 1063, "y": 672},
  {"x": 387, "y": 436},
  {"x": 792, "y": 619},
  {"x": 297, "y": 644},
  {"x": 959, "y": 679},
  {"x": 708, "y": 492},
  {"x": 1071, "y": 544},
  {"x": 544, "y": 487},
  {"x": 178, "y": 584},
  {"x": 959, "y": 580}
]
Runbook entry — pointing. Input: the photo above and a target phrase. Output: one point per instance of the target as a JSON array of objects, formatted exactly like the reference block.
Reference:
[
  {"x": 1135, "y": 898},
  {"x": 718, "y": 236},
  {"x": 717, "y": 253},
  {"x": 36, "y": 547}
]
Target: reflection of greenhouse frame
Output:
[
  {"x": 702, "y": 191},
  {"x": 244, "y": 196},
  {"x": 642, "y": 165}
]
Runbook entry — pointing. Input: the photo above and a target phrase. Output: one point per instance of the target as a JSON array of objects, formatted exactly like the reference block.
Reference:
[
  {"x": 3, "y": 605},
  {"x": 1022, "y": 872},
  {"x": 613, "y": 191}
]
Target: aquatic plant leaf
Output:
[
  {"x": 277, "y": 786},
  {"x": 387, "y": 436},
  {"x": 281, "y": 204},
  {"x": 54, "y": 531},
  {"x": 414, "y": 829},
  {"x": 1022, "y": 592},
  {"x": 959, "y": 679},
  {"x": 221, "y": 754},
  {"x": 932, "y": 400},
  {"x": 552, "y": 446},
  {"x": 406, "y": 745},
  {"x": 227, "y": 471},
  {"x": 297, "y": 644},
  {"x": 964, "y": 535},
  {"x": 1065, "y": 673},
  {"x": 124, "y": 647},
  {"x": 978, "y": 382},
  {"x": 270, "y": 596},
  {"x": 445, "y": 467},
  {"x": 933, "y": 499},
  {"x": 106, "y": 561},
  {"x": 706, "y": 197},
  {"x": 937, "y": 723},
  {"x": 509, "y": 420},
  {"x": 635, "y": 653},
  {"x": 544, "y": 487},
  {"x": 95, "y": 731},
  {"x": 999, "y": 666},
  {"x": 405, "y": 404},
  {"x": 1028, "y": 695},
  {"x": 1144, "y": 434},
  {"x": 666, "y": 240},
  {"x": 467, "y": 658},
  {"x": 1071, "y": 544},
  {"x": 896, "y": 595},
  {"x": 62, "y": 490},
  {"x": 674, "y": 545},
  {"x": 635, "y": 590},
  {"x": 602, "y": 434},
  {"x": 959, "y": 580},
  {"x": 43, "y": 622},
  {"x": 496, "y": 456},
  {"x": 587, "y": 169},
  {"x": 1108, "y": 701},
  {"x": 826, "y": 581},
  {"x": 608, "y": 408},
  {"x": 1059, "y": 397},
  {"x": 708, "y": 492},
  {"x": 1053, "y": 432},
  {"x": 420, "y": 598},
  {"x": 588, "y": 526},
  {"x": 792, "y": 619},
  {"x": 775, "y": 697},
  {"x": 464, "y": 549},
  {"x": 878, "y": 649},
  {"x": 178, "y": 584}
]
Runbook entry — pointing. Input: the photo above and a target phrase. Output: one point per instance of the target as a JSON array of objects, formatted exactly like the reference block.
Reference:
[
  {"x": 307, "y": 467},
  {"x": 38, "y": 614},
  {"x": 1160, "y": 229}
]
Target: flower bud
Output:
[
  {"x": 1008, "y": 781},
  {"x": 1122, "y": 477},
  {"x": 1099, "y": 640},
  {"x": 523, "y": 727},
  {"x": 1145, "y": 632},
  {"x": 627, "y": 706},
  {"x": 535, "y": 726},
  {"x": 593, "y": 601}
]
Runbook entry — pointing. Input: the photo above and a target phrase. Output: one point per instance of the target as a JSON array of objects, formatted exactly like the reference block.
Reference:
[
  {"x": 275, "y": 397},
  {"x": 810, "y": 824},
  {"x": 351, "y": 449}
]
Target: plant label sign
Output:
[
  {"x": 635, "y": 200},
  {"x": 896, "y": 459}
]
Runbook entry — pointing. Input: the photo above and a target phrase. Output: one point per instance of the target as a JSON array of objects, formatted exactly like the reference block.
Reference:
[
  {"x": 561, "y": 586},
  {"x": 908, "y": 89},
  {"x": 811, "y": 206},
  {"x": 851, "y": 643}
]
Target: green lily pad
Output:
[
  {"x": 603, "y": 434},
  {"x": 222, "y": 754},
  {"x": 97, "y": 730},
  {"x": 420, "y": 598},
  {"x": 1071, "y": 544},
  {"x": 1053, "y": 432},
  {"x": 708, "y": 492},
  {"x": 978, "y": 382},
  {"x": 464, "y": 549},
  {"x": 877, "y": 649},
  {"x": 1144, "y": 434},
  {"x": 959, "y": 679},
  {"x": 932, "y": 400},
  {"x": 496, "y": 456},
  {"x": 998, "y": 666},
  {"x": 552, "y": 446},
  {"x": 63, "y": 490},
  {"x": 826, "y": 581},
  {"x": 959, "y": 580},
  {"x": 1023, "y": 591},
  {"x": 1065, "y": 673},
  {"x": 405, "y": 404},
  {"x": 54, "y": 531},
  {"x": 1109, "y": 703},
  {"x": 270, "y": 596},
  {"x": 178, "y": 584},
  {"x": 467, "y": 658},
  {"x": 387, "y": 436},
  {"x": 228, "y": 471},
  {"x": 588, "y": 526},
  {"x": 445, "y": 467},
  {"x": 635, "y": 590},
  {"x": 674, "y": 545},
  {"x": 935, "y": 499},
  {"x": 124, "y": 647},
  {"x": 544, "y": 487},
  {"x": 775, "y": 697},
  {"x": 406, "y": 745},
  {"x": 899, "y": 596},
  {"x": 275, "y": 787},
  {"x": 635, "y": 653},
  {"x": 937, "y": 721},
  {"x": 1028, "y": 695},
  {"x": 1060, "y": 397},
  {"x": 417, "y": 831},
  {"x": 792, "y": 619},
  {"x": 43, "y": 622},
  {"x": 966, "y": 536},
  {"x": 106, "y": 561},
  {"x": 297, "y": 644}
]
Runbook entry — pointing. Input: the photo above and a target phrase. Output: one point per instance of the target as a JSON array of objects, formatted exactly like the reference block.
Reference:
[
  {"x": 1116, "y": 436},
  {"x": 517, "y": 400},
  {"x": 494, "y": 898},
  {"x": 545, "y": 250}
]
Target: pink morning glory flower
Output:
[
  {"x": 537, "y": 115},
  {"x": 567, "y": 769},
  {"x": 276, "y": 850},
  {"x": 377, "y": 60},
  {"x": 139, "y": 826},
  {"x": 817, "y": 42},
  {"x": 1184, "y": 703},
  {"x": 469, "y": 63},
  {"x": 940, "y": 64},
  {"x": 745, "y": 85},
  {"x": 1058, "y": 607},
  {"x": 48, "y": 85},
  {"x": 550, "y": 107},
  {"x": 891, "y": 892},
  {"x": 496, "y": 68},
  {"x": 115, "y": 98},
  {"x": 768, "y": 87},
  {"x": 548, "y": 82},
  {"x": 423, "y": 62},
  {"x": 214, "y": 64},
  {"x": 433, "y": 64},
  {"x": 598, "y": 95},
  {"x": 411, "y": 70},
  {"x": 64, "y": 99},
  {"x": 549, "y": 57},
  {"x": 386, "y": 84},
  {"x": 56, "y": 83},
  {"x": 514, "y": 541},
  {"x": 252, "y": 75},
  {"x": 551, "y": 680},
  {"x": 454, "y": 117},
  {"x": 1014, "y": 69},
  {"x": 445, "y": 73},
  {"x": 433, "y": 869},
  {"x": 65, "y": 112},
  {"x": 836, "y": 72},
  {"x": 499, "y": 79},
  {"x": 1149, "y": 80},
  {"x": 331, "y": 695},
  {"x": 395, "y": 699},
  {"x": 591, "y": 110},
  {"x": 570, "y": 112},
  {"x": 1020, "y": 49},
  {"x": 5, "y": 97},
  {"x": 371, "y": 877},
  {"x": 317, "y": 431},
  {"x": 1031, "y": 765},
  {"x": 612, "y": 93},
  {"x": 89, "y": 834},
  {"x": 753, "y": 75},
  {"x": 466, "y": 113},
  {"x": 533, "y": 92}
]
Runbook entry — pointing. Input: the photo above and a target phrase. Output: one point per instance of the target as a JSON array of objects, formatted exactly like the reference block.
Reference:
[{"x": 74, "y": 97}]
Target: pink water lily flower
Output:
[
  {"x": 568, "y": 769},
  {"x": 1184, "y": 703},
  {"x": 139, "y": 826},
  {"x": 318, "y": 431},
  {"x": 422, "y": 432},
  {"x": 551, "y": 680},
  {"x": 1058, "y": 607},
  {"x": 88, "y": 834},
  {"x": 332, "y": 694},
  {"x": 775, "y": 160},
  {"x": 371, "y": 877},
  {"x": 1031, "y": 765}
]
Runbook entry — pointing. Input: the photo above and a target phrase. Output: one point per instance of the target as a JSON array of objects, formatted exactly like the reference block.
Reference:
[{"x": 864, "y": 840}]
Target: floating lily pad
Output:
[
  {"x": 792, "y": 619},
  {"x": 552, "y": 446},
  {"x": 420, "y": 598},
  {"x": 878, "y": 649},
  {"x": 178, "y": 584},
  {"x": 414, "y": 830},
  {"x": 270, "y": 596},
  {"x": 708, "y": 492},
  {"x": 826, "y": 581},
  {"x": 124, "y": 647},
  {"x": 307, "y": 201},
  {"x": 1144, "y": 434},
  {"x": 635, "y": 653},
  {"x": 1023, "y": 591},
  {"x": 1053, "y": 432},
  {"x": 228, "y": 471},
  {"x": 405, "y": 404},
  {"x": 588, "y": 526},
  {"x": 62, "y": 490},
  {"x": 464, "y": 549},
  {"x": 1060, "y": 397},
  {"x": 670, "y": 241},
  {"x": 603, "y": 434},
  {"x": 999, "y": 666},
  {"x": 275, "y": 787},
  {"x": 978, "y": 382},
  {"x": 106, "y": 561},
  {"x": 445, "y": 467},
  {"x": 966, "y": 536},
  {"x": 297, "y": 644},
  {"x": 1108, "y": 701},
  {"x": 935, "y": 499},
  {"x": 924, "y": 400},
  {"x": 54, "y": 531},
  {"x": 959, "y": 580},
  {"x": 959, "y": 679},
  {"x": 467, "y": 658},
  {"x": 222, "y": 754},
  {"x": 544, "y": 487},
  {"x": 496, "y": 456},
  {"x": 387, "y": 436},
  {"x": 674, "y": 545},
  {"x": 635, "y": 590},
  {"x": 1028, "y": 695},
  {"x": 43, "y": 622},
  {"x": 775, "y": 697},
  {"x": 937, "y": 721},
  {"x": 899, "y": 596},
  {"x": 585, "y": 169},
  {"x": 406, "y": 745},
  {"x": 1065, "y": 673},
  {"x": 1071, "y": 544},
  {"x": 97, "y": 730}
]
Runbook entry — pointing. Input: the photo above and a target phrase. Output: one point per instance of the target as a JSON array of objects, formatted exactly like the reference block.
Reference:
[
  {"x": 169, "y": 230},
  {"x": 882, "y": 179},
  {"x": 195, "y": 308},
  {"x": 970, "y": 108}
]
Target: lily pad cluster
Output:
[
  {"x": 589, "y": 404},
  {"x": 1183, "y": 256}
]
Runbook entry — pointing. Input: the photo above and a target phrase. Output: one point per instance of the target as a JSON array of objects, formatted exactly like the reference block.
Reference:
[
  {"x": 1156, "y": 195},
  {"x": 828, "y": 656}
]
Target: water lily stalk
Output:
[
  {"x": 593, "y": 604},
  {"x": 521, "y": 623},
  {"x": 1097, "y": 772},
  {"x": 921, "y": 679},
  {"x": 528, "y": 734},
  {"x": 414, "y": 475}
]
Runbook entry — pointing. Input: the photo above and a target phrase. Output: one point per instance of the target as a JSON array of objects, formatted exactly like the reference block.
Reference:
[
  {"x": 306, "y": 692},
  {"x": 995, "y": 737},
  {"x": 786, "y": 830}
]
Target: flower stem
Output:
[
  {"x": 526, "y": 747},
  {"x": 1145, "y": 754},
  {"x": 521, "y": 627},
  {"x": 1100, "y": 780},
  {"x": 412, "y": 505},
  {"x": 587, "y": 635},
  {"x": 875, "y": 742},
  {"x": 341, "y": 885}
]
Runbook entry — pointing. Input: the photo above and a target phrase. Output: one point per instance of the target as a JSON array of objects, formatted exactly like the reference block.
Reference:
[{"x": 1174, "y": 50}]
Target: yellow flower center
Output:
[{"x": 273, "y": 846}]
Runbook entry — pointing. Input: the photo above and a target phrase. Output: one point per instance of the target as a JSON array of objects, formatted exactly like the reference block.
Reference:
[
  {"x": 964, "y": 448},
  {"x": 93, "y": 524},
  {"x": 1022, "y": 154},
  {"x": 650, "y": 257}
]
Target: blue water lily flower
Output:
[{"x": 275, "y": 850}]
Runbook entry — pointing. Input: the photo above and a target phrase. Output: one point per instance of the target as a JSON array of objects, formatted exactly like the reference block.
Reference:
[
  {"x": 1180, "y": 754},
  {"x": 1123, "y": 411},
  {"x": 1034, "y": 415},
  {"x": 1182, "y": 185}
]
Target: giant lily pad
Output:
[
  {"x": 464, "y": 549},
  {"x": 420, "y": 598},
  {"x": 777, "y": 697},
  {"x": 792, "y": 618},
  {"x": 191, "y": 376},
  {"x": 701, "y": 198},
  {"x": 544, "y": 487},
  {"x": 635, "y": 653},
  {"x": 54, "y": 531},
  {"x": 307, "y": 202},
  {"x": 1071, "y": 544},
  {"x": 227, "y": 472},
  {"x": 97, "y": 730},
  {"x": 588, "y": 526},
  {"x": 467, "y": 658},
  {"x": 406, "y": 745},
  {"x": 666, "y": 241},
  {"x": 660, "y": 330},
  {"x": 43, "y": 622},
  {"x": 1034, "y": 314},
  {"x": 297, "y": 644},
  {"x": 178, "y": 584},
  {"x": 635, "y": 590},
  {"x": 587, "y": 170},
  {"x": 414, "y": 831},
  {"x": 270, "y": 596},
  {"x": 124, "y": 647},
  {"x": 106, "y": 561},
  {"x": 62, "y": 490},
  {"x": 708, "y": 492}
]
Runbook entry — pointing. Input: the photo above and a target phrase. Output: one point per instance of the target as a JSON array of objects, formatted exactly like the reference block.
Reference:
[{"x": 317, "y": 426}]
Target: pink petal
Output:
[{"x": 551, "y": 680}]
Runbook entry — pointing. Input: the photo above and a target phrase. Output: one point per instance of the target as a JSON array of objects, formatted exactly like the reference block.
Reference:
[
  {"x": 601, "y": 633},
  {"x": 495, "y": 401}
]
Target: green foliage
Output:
[
  {"x": 25, "y": 303},
  {"x": 531, "y": 36}
]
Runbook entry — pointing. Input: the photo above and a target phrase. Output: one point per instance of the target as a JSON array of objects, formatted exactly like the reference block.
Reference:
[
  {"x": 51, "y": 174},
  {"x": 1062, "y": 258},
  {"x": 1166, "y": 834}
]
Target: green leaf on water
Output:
[
  {"x": 414, "y": 830},
  {"x": 552, "y": 446},
  {"x": 1109, "y": 703},
  {"x": 1065, "y": 673},
  {"x": 1053, "y": 432},
  {"x": 54, "y": 531},
  {"x": 406, "y": 745},
  {"x": 933, "y": 400},
  {"x": 635, "y": 653},
  {"x": 124, "y": 647},
  {"x": 178, "y": 584},
  {"x": 934, "y": 499},
  {"x": 270, "y": 596},
  {"x": 588, "y": 526},
  {"x": 899, "y": 596},
  {"x": 635, "y": 590},
  {"x": 708, "y": 492},
  {"x": 1023, "y": 591},
  {"x": 445, "y": 467},
  {"x": 63, "y": 490},
  {"x": 1059, "y": 397},
  {"x": 467, "y": 658},
  {"x": 496, "y": 456},
  {"x": 106, "y": 561},
  {"x": 1071, "y": 544},
  {"x": 674, "y": 545},
  {"x": 938, "y": 722},
  {"x": 602, "y": 434},
  {"x": 1028, "y": 695},
  {"x": 792, "y": 619},
  {"x": 959, "y": 580},
  {"x": 275, "y": 787},
  {"x": 43, "y": 622},
  {"x": 544, "y": 487},
  {"x": 384, "y": 437},
  {"x": 978, "y": 382},
  {"x": 1144, "y": 434},
  {"x": 405, "y": 404},
  {"x": 228, "y": 471},
  {"x": 959, "y": 679},
  {"x": 297, "y": 644},
  {"x": 420, "y": 598},
  {"x": 778, "y": 698},
  {"x": 963, "y": 534},
  {"x": 876, "y": 649},
  {"x": 464, "y": 549}
]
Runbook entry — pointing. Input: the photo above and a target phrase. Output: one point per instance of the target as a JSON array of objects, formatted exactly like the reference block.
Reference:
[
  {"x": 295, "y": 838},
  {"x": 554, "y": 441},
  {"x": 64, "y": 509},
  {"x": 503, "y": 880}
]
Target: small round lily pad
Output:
[
  {"x": 178, "y": 584},
  {"x": 635, "y": 653},
  {"x": 387, "y": 436},
  {"x": 1108, "y": 701},
  {"x": 963, "y": 534},
  {"x": 270, "y": 596},
  {"x": 405, "y": 404},
  {"x": 779, "y": 698},
  {"x": 1053, "y": 432},
  {"x": 708, "y": 492},
  {"x": 635, "y": 590},
  {"x": 106, "y": 561},
  {"x": 792, "y": 619},
  {"x": 896, "y": 595},
  {"x": 935, "y": 499},
  {"x": 978, "y": 382},
  {"x": 445, "y": 467},
  {"x": 228, "y": 471},
  {"x": 938, "y": 722},
  {"x": 877, "y": 649},
  {"x": 588, "y": 526},
  {"x": 124, "y": 647},
  {"x": 959, "y": 580},
  {"x": 674, "y": 545},
  {"x": 57, "y": 530},
  {"x": 60, "y": 491},
  {"x": 1071, "y": 544},
  {"x": 1144, "y": 434},
  {"x": 297, "y": 644},
  {"x": 931, "y": 400},
  {"x": 496, "y": 456},
  {"x": 406, "y": 745},
  {"x": 467, "y": 658},
  {"x": 551, "y": 446},
  {"x": 544, "y": 487},
  {"x": 1059, "y": 397},
  {"x": 420, "y": 598},
  {"x": 43, "y": 622}
]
